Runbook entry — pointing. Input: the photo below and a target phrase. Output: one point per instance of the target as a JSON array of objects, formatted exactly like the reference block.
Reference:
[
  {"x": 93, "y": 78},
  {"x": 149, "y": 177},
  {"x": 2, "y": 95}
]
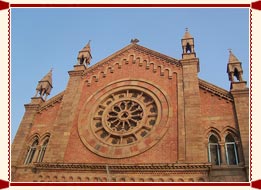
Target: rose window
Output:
[{"x": 125, "y": 117}]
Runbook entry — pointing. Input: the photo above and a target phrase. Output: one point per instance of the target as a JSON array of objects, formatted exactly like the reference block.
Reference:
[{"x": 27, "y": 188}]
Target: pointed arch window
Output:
[
  {"x": 213, "y": 150},
  {"x": 231, "y": 150},
  {"x": 31, "y": 152},
  {"x": 42, "y": 151}
]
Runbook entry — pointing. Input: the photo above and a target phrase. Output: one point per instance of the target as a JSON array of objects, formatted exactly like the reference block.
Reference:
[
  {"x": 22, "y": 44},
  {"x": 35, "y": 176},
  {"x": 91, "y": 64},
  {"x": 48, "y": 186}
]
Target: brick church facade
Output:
[{"x": 136, "y": 116}]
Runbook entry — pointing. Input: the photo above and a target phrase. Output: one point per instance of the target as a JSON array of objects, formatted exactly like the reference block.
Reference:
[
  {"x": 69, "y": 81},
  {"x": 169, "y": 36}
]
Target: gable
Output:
[{"x": 133, "y": 54}]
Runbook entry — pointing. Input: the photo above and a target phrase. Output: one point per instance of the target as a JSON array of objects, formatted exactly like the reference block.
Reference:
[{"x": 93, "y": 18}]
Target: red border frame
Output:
[
  {"x": 129, "y": 5},
  {"x": 253, "y": 5}
]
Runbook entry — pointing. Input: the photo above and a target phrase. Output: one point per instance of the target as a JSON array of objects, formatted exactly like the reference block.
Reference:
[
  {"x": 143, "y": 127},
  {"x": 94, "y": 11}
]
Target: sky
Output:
[{"x": 42, "y": 39}]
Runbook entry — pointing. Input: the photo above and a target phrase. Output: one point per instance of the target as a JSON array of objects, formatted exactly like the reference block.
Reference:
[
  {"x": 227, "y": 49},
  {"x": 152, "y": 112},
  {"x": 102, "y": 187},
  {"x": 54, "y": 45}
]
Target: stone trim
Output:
[
  {"x": 56, "y": 99},
  {"x": 215, "y": 90},
  {"x": 32, "y": 106},
  {"x": 76, "y": 73},
  {"x": 153, "y": 167}
]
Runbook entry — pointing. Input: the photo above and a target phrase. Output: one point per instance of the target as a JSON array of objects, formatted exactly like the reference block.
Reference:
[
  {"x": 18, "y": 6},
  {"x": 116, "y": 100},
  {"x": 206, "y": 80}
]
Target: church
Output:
[{"x": 136, "y": 116}]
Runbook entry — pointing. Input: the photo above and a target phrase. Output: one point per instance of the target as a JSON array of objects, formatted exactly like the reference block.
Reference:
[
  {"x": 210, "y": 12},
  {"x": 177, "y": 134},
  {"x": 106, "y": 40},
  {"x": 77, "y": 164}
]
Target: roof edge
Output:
[
  {"x": 215, "y": 90},
  {"x": 126, "y": 48},
  {"x": 53, "y": 100}
]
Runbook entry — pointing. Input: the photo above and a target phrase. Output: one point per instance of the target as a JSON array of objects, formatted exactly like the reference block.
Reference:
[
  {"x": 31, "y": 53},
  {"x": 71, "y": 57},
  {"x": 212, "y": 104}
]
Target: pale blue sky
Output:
[{"x": 51, "y": 38}]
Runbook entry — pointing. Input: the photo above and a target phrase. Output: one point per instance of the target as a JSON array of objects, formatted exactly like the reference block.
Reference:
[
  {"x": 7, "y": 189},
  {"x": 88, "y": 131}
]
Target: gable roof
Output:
[{"x": 136, "y": 47}]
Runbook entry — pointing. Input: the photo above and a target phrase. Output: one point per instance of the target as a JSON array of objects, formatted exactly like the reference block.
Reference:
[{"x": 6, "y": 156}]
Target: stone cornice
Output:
[
  {"x": 76, "y": 73},
  {"x": 168, "y": 167},
  {"x": 240, "y": 93},
  {"x": 215, "y": 90},
  {"x": 32, "y": 107},
  {"x": 52, "y": 101}
]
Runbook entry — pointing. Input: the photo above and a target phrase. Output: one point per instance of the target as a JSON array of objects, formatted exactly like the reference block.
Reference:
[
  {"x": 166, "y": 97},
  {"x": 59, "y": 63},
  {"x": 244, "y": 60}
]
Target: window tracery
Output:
[
  {"x": 42, "y": 150},
  {"x": 224, "y": 150},
  {"x": 125, "y": 117},
  {"x": 31, "y": 152}
]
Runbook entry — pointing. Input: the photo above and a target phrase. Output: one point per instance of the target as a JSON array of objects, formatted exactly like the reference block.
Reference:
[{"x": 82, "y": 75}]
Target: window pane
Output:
[
  {"x": 214, "y": 154},
  {"x": 231, "y": 154}
]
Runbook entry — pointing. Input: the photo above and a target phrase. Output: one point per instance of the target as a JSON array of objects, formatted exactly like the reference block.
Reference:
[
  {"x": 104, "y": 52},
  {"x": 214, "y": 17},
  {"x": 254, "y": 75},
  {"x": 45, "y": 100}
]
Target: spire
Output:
[
  {"x": 45, "y": 86},
  {"x": 187, "y": 43},
  {"x": 232, "y": 57},
  {"x": 87, "y": 48},
  {"x": 84, "y": 56},
  {"x": 48, "y": 77},
  {"x": 187, "y": 35},
  {"x": 234, "y": 69}
]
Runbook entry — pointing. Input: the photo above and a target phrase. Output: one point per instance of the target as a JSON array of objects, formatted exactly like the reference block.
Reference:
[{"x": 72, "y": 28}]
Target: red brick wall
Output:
[
  {"x": 43, "y": 121},
  {"x": 216, "y": 112},
  {"x": 164, "y": 151}
]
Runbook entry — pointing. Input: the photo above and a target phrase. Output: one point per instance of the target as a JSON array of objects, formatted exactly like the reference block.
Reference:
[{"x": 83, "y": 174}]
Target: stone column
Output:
[
  {"x": 241, "y": 102},
  {"x": 64, "y": 121},
  {"x": 240, "y": 153},
  {"x": 223, "y": 154},
  {"x": 195, "y": 151}
]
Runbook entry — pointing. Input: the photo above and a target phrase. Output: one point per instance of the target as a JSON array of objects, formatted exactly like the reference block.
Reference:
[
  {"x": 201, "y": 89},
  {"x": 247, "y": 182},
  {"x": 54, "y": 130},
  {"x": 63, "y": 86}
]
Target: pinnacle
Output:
[
  {"x": 187, "y": 35},
  {"x": 232, "y": 57},
  {"x": 48, "y": 77},
  {"x": 87, "y": 47}
]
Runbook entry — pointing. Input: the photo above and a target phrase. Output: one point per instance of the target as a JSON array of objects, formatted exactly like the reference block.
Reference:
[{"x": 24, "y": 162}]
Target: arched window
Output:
[
  {"x": 31, "y": 152},
  {"x": 213, "y": 150},
  {"x": 42, "y": 151},
  {"x": 231, "y": 150}
]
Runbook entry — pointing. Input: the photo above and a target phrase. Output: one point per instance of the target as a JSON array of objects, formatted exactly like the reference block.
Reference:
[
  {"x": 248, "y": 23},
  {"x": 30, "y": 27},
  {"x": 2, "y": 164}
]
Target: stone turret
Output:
[
  {"x": 240, "y": 93},
  {"x": 188, "y": 46},
  {"x": 44, "y": 86},
  {"x": 234, "y": 68},
  {"x": 190, "y": 68},
  {"x": 85, "y": 56}
]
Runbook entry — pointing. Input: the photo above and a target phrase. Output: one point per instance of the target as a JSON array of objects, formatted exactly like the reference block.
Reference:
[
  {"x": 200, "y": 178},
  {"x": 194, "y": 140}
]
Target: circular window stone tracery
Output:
[
  {"x": 124, "y": 117},
  {"x": 123, "y": 120}
]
